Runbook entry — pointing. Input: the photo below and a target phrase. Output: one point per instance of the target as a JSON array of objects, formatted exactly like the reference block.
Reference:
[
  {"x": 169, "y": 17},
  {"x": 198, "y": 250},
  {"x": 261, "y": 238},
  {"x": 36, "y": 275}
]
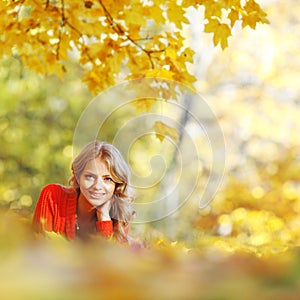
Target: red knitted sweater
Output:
[{"x": 56, "y": 211}]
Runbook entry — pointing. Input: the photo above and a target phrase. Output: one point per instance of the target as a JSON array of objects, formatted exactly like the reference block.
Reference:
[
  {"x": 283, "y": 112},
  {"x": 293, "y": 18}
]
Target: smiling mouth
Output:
[{"x": 97, "y": 195}]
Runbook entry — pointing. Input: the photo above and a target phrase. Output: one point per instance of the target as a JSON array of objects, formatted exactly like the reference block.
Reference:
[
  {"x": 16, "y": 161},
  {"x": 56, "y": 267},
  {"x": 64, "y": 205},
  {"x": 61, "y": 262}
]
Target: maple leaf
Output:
[
  {"x": 110, "y": 35},
  {"x": 143, "y": 104},
  {"x": 250, "y": 20},
  {"x": 187, "y": 55},
  {"x": 176, "y": 14},
  {"x": 157, "y": 15},
  {"x": 253, "y": 14},
  {"x": 220, "y": 31},
  {"x": 160, "y": 73},
  {"x": 162, "y": 130},
  {"x": 172, "y": 53},
  {"x": 214, "y": 9},
  {"x": 233, "y": 16}
]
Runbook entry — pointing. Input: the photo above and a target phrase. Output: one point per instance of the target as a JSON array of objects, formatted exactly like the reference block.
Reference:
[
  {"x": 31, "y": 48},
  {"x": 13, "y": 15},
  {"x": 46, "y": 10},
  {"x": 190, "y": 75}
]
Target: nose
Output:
[{"x": 99, "y": 184}]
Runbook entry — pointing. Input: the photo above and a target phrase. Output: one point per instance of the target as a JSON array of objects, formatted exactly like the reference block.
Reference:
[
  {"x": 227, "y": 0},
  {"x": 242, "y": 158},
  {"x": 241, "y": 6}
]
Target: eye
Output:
[
  {"x": 108, "y": 179},
  {"x": 88, "y": 176}
]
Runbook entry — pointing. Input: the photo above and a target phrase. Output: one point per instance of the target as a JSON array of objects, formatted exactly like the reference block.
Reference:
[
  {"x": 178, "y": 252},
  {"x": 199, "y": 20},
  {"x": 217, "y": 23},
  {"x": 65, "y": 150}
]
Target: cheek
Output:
[
  {"x": 84, "y": 183},
  {"x": 111, "y": 188}
]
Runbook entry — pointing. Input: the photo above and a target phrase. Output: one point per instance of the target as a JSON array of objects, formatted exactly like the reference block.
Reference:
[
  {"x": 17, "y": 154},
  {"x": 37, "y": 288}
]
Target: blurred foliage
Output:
[
  {"x": 50, "y": 268},
  {"x": 256, "y": 97},
  {"x": 243, "y": 245},
  {"x": 260, "y": 217},
  {"x": 37, "y": 120}
]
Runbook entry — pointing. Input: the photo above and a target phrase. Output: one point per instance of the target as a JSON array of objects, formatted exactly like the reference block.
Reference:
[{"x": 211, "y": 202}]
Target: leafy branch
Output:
[
  {"x": 63, "y": 23},
  {"x": 120, "y": 31},
  {"x": 42, "y": 34}
]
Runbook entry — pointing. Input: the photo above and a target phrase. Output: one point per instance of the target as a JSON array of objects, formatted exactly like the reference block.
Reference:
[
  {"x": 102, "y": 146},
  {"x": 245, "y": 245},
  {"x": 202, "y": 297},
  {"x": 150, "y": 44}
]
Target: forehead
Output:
[{"x": 97, "y": 165}]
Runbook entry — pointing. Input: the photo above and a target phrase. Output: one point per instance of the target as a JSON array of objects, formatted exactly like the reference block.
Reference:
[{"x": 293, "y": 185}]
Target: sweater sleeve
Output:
[
  {"x": 105, "y": 228},
  {"x": 43, "y": 217}
]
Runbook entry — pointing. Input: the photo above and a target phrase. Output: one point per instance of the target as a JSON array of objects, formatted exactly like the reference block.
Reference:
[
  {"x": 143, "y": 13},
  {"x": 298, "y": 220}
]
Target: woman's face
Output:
[{"x": 96, "y": 183}]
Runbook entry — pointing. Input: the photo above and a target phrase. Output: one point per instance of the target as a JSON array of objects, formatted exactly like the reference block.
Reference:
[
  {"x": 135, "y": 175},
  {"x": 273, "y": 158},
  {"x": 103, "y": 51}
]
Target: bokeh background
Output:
[{"x": 244, "y": 244}]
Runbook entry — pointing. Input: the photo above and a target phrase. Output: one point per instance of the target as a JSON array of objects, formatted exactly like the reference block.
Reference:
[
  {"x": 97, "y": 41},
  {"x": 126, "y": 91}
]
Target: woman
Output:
[{"x": 99, "y": 198}]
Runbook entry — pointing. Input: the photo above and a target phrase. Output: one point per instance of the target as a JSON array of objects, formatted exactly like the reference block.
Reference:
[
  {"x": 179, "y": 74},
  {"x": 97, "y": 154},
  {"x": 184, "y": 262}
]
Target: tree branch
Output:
[
  {"x": 80, "y": 34},
  {"x": 120, "y": 31},
  {"x": 19, "y": 8},
  {"x": 61, "y": 26}
]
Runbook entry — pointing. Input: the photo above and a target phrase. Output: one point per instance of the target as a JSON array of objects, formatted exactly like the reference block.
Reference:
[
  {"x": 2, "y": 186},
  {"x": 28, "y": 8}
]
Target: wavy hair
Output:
[{"x": 121, "y": 210}]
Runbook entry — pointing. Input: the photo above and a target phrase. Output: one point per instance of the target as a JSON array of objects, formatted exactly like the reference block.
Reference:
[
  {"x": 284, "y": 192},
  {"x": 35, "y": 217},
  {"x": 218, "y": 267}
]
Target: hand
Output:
[{"x": 102, "y": 211}]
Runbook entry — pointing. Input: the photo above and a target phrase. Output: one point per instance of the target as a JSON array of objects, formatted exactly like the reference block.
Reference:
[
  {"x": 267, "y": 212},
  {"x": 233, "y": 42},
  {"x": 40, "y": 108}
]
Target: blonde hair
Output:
[{"x": 121, "y": 210}]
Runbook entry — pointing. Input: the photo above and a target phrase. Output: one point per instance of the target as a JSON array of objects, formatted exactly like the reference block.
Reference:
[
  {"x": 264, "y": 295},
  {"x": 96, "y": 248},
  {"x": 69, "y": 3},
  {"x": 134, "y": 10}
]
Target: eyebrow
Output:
[
  {"x": 87, "y": 171},
  {"x": 92, "y": 173}
]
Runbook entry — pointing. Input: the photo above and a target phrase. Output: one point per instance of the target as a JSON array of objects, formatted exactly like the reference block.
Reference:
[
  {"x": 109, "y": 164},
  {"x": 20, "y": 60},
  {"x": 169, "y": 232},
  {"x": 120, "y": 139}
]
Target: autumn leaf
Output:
[
  {"x": 159, "y": 73},
  {"x": 111, "y": 37},
  {"x": 214, "y": 9},
  {"x": 162, "y": 130},
  {"x": 176, "y": 14},
  {"x": 171, "y": 53},
  {"x": 187, "y": 55},
  {"x": 143, "y": 104},
  {"x": 220, "y": 31},
  {"x": 157, "y": 15},
  {"x": 233, "y": 16},
  {"x": 253, "y": 15}
]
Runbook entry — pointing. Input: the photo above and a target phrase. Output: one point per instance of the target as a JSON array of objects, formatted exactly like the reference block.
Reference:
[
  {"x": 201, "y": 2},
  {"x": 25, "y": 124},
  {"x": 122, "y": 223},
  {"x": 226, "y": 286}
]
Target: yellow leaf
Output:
[
  {"x": 170, "y": 52},
  {"x": 143, "y": 104},
  {"x": 50, "y": 58},
  {"x": 253, "y": 15},
  {"x": 250, "y": 20},
  {"x": 157, "y": 14},
  {"x": 159, "y": 73},
  {"x": 211, "y": 26},
  {"x": 34, "y": 63},
  {"x": 176, "y": 14},
  {"x": 213, "y": 8},
  {"x": 188, "y": 54},
  {"x": 188, "y": 3},
  {"x": 162, "y": 130},
  {"x": 233, "y": 16},
  {"x": 98, "y": 51},
  {"x": 64, "y": 47},
  {"x": 221, "y": 32},
  {"x": 55, "y": 236},
  {"x": 135, "y": 15}
]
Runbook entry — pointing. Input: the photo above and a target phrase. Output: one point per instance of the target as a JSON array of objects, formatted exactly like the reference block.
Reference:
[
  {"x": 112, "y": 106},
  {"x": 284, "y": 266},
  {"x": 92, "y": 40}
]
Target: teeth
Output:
[{"x": 97, "y": 195}]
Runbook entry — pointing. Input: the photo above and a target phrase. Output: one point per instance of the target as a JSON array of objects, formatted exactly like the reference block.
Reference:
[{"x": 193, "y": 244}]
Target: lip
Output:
[{"x": 96, "y": 195}]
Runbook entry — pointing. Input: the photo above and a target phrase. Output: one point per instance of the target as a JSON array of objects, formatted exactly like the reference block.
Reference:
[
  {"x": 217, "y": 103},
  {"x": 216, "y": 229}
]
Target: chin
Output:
[{"x": 96, "y": 202}]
